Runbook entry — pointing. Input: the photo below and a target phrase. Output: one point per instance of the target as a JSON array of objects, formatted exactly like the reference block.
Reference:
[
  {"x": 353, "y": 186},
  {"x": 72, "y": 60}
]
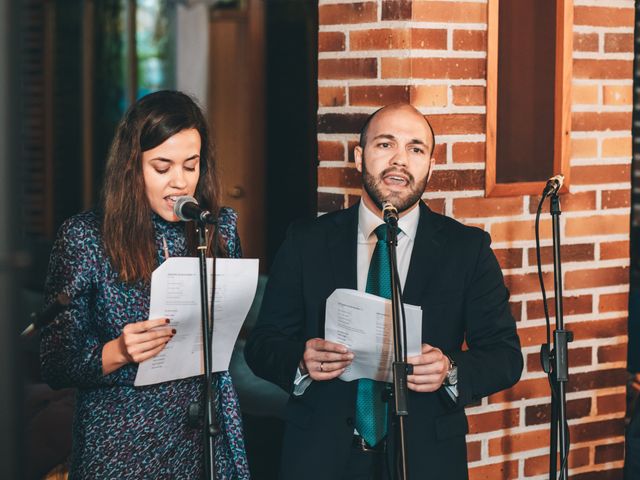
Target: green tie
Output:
[{"x": 371, "y": 410}]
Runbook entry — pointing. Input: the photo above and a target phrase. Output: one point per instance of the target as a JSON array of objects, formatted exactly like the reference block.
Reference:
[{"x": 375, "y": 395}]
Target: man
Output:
[{"x": 445, "y": 268}]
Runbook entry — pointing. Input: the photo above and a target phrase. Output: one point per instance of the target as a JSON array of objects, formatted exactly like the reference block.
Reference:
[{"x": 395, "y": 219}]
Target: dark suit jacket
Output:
[{"x": 453, "y": 276}]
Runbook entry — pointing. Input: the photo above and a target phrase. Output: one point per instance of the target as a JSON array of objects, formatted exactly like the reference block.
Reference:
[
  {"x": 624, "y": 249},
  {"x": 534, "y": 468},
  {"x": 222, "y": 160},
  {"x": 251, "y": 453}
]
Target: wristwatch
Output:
[{"x": 452, "y": 375}]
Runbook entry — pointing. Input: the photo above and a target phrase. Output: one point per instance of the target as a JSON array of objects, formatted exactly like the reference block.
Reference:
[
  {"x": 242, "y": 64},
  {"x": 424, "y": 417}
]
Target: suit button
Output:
[{"x": 350, "y": 421}]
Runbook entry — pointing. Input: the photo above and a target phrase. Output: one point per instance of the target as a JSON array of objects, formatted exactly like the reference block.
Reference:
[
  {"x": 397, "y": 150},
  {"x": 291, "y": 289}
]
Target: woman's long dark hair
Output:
[{"x": 127, "y": 225}]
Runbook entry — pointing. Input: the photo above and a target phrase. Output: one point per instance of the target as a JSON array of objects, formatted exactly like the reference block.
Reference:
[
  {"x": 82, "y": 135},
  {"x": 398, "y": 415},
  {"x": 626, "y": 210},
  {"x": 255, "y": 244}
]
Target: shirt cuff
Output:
[{"x": 301, "y": 382}]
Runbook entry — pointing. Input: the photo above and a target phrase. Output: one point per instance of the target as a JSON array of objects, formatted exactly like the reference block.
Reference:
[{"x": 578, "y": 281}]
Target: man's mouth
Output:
[{"x": 395, "y": 179}]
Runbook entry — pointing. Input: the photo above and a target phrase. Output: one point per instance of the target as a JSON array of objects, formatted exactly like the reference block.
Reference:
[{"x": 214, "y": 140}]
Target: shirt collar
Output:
[{"x": 368, "y": 221}]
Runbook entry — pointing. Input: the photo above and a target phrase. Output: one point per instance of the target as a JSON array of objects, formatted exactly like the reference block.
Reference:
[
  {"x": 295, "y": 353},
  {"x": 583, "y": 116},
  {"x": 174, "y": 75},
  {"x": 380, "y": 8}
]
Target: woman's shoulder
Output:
[{"x": 81, "y": 228}]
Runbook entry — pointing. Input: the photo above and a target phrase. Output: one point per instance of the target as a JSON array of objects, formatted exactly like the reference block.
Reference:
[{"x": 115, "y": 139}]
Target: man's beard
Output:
[{"x": 401, "y": 200}]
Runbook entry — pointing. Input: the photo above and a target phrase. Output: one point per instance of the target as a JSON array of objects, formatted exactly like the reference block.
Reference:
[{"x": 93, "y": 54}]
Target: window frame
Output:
[{"x": 562, "y": 103}]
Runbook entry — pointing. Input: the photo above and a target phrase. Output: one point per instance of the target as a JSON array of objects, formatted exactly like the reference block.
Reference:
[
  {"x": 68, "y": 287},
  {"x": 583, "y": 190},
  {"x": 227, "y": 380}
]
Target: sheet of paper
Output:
[
  {"x": 363, "y": 323},
  {"x": 175, "y": 294}
]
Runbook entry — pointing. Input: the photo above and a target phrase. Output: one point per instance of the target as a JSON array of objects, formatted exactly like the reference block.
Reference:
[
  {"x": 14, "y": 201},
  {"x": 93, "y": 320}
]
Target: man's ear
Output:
[
  {"x": 357, "y": 156},
  {"x": 433, "y": 162}
]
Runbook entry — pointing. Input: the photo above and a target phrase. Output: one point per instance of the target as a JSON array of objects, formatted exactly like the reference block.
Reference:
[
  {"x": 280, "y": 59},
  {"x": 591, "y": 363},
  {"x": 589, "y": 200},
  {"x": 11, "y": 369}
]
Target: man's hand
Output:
[
  {"x": 324, "y": 360},
  {"x": 429, "y": 369}
]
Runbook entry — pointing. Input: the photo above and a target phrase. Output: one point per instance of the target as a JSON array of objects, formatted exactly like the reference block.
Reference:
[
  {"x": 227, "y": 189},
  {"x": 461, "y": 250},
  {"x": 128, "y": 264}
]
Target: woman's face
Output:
[{"x": 171, "y": 170}]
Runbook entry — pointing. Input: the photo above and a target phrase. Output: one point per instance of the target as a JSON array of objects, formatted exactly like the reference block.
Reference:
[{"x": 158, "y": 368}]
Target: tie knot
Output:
[{"x": 381, "y": 232}]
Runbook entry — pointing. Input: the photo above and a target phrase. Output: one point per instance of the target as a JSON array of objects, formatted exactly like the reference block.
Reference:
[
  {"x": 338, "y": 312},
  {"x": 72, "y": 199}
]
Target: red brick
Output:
[
  {"x": 424, "y": 38},
  {"x": 602, "y": 69},
  {"x": 331, "y": 96},
  {"x": 616, "y": 198},
  {"x": 516, "y": 310},
  {"x": 609, "y": 453},
  {"x": 434, "y": 68},
  {"x": 585, "y": 381},
  {"x": 578, "y": 457},
  {"x": 578, "y": 357},
  {"x": 528, "y": 388},
  {"x": 597, "y": 174},
  {"x": 487, "y": 207},
  {"x": 455, "y": 180},
  {"x": 570, "y": 305},
  {"x": 468, "y": 95},
  {"x": 436, "y": 205},
  {"x": 598, "y": 430},
  {"x": 608, "y": 404},
  {"x": 612, "y": 353},
  {"x": 473, "y": 40},
  {"x": 518, "y": 442},
  {"x": 613, "y": 302},
  {"x": 612, "y": 250},
  {"x": 585, "y": 42},
  {"x": 341, "y": 122},
  {"x": 597, "y": 225},
  {"x": 568, "y": 253},
  {"x": 474, "y": 451},
  {"x": 495, "y": 471},
  {"x": 489, "y": 422},
  {"x": 378, "y": 96},
  {"x": 396, "y": 9},
  {"x": 440, "y": 153},
  {"x": 613, "y": 474},
  {"x": 352, "y": 199},
  {"x": 514, "y": 230},
  {"x": 539, "y": 414},
  {"x": 509, "y": 257},
  {"x": 527, "y": 282},
  {"x": 468, "y": 152},
  {"x": 574, "y": 202},
  {"x": 347, "y": 68},
  {"x": 603, "y": 16},
  {"x": 449, "y": 12},
  {"x": 618, "y": 42},
  {"x": 429, "y": 95},
  {"x": 339, "y": 177},
  {"x": 331, "y": 41},
  {"x": 381, "y": 39},
  {"x": 328, "y": 202},
  {"x": 457, "y": 123},
  {"x": 596, "y": 277},
  {"x": 361, "y": 12},
  {"x": 587, "y": 330},
  {"x": 330, "y": 151},
  {"x": 590, "y": 121}
]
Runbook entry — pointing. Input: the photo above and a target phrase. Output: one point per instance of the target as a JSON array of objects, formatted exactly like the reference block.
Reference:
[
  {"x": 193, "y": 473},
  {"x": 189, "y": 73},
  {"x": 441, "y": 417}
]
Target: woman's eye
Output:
[
  {"x": 190, "y": 169},
  {"x": 162, "y": 171}
]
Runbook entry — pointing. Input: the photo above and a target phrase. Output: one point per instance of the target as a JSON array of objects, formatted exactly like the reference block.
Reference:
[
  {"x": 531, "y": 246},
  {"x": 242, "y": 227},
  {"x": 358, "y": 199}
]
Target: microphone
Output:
[
  {"x": 47, "y": 316},
  {"x": 186, "y": 208},
  {"x": 553, "y": 185},
  {"x": 389, "y": 213}
]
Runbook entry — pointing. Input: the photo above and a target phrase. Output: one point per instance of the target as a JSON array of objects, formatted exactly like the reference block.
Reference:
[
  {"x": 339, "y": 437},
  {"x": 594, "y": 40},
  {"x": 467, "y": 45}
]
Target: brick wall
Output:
[{"x": 433, "y": 54}]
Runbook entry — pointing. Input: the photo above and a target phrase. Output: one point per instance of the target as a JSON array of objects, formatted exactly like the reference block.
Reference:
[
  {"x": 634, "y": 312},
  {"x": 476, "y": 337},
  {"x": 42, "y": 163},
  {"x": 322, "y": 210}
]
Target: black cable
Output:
[{"x": 554, "y": 393}]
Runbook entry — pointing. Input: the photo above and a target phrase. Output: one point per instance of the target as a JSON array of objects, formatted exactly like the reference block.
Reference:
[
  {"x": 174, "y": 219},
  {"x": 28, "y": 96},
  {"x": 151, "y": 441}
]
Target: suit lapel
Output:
[
  {"x": 343, "y": 247},
  {"x": 426, "y": 255}
]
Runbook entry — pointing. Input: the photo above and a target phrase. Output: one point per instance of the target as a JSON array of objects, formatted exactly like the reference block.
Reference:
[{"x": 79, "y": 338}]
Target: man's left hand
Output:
[{"x": 429, "y": 369}]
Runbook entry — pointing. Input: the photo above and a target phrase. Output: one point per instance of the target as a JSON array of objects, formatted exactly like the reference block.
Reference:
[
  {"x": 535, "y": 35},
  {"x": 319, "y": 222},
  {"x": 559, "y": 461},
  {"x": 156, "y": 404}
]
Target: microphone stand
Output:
[
  {"x": 210, "y": 429},
  {"x": 555, "y": 361},
  {"x": 400, "y": 366}
]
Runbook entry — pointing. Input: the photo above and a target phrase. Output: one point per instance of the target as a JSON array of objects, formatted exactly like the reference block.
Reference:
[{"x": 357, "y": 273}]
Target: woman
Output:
[{"x": 103, "y": 260}]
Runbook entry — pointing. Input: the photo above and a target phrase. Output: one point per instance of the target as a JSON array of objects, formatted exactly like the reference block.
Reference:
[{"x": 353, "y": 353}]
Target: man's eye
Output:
[
  {"x": 417, "y": 150},
  {"x": 384, "y": 144}
]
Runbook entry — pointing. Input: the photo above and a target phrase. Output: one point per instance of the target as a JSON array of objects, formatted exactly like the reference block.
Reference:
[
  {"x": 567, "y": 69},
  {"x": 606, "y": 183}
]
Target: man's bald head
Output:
[{"x": 389, "y": 108}]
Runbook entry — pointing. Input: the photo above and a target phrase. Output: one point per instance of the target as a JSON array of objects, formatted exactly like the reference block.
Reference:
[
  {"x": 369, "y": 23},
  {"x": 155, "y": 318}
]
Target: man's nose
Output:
[{"x": 400, "y": 157}]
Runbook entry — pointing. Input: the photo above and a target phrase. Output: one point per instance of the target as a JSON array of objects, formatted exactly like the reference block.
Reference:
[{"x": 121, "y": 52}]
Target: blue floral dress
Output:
[{"x": 122, "y": 431}]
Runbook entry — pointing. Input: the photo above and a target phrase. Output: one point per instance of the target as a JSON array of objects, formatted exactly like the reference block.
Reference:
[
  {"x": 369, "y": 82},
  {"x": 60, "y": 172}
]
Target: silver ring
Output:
[{"x": 321, "y": 366}]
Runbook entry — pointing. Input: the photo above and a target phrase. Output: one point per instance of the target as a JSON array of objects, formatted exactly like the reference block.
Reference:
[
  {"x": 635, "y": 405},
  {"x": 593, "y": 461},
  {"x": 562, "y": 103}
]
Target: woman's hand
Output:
[{"x": 138, "y": 342}]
